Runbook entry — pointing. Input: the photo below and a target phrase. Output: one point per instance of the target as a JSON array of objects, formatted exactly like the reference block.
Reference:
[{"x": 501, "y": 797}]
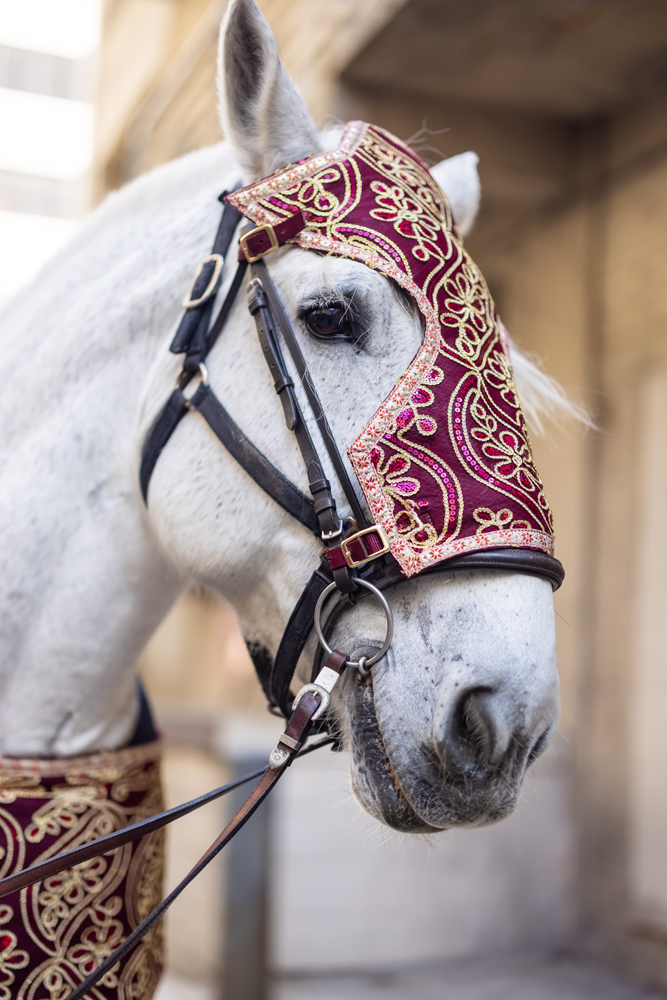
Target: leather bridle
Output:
[
  {"x": 355, "y": 552},
  {"x": 356, "y": 560}
]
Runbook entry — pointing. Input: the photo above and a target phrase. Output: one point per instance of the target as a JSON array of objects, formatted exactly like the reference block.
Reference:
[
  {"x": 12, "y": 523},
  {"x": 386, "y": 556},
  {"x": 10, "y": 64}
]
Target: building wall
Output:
[
  {"x": 586, "y": 292},
  {"x": 626, "y": 790},
  {"x": 572, "y": 240}
]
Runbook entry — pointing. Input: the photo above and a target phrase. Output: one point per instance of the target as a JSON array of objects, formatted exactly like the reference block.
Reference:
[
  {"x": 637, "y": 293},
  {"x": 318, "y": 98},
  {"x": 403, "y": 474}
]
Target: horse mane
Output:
[
  {"x": 543, "y": 399},
  {"x": 184, "y": 179}
]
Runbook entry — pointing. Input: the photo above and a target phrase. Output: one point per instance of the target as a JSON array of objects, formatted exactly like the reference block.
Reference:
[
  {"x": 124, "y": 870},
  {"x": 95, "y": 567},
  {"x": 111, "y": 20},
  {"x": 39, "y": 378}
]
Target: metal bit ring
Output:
[
  {"x": 364, "y": 669},
  {"x": 363, "y": 663}
]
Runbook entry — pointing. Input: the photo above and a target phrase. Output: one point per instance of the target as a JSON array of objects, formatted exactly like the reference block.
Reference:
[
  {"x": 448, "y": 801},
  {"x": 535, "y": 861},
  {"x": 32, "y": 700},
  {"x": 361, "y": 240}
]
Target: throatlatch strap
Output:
[
  {"x": 225, "y": 308},
  {"x": 174, "y": 410},
  {"x": 176, "y": 406}
]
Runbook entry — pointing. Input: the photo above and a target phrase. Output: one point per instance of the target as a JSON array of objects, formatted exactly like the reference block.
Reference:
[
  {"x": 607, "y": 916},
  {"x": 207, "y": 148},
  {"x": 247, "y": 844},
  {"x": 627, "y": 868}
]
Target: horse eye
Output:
[{"x": 328, "y": 323}]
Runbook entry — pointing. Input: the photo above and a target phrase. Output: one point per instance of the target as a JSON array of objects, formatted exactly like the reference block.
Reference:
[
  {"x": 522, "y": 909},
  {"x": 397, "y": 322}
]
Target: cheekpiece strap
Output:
[{"x": 190, "y": 337}]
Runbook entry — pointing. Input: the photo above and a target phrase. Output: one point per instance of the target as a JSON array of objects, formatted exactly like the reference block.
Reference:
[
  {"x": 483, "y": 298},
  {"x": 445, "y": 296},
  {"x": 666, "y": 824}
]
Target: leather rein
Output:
[{"x": 356, "y": 561}]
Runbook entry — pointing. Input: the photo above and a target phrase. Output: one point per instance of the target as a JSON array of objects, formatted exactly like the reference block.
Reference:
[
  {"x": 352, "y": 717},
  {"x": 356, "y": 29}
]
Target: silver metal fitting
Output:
[
  {"x": 362, "y": 667},
  {"x": 278, "y": 758},
  {"x": 319, "y": 631},
  {"x": 281, "y": 754},
  {"x": 323, "y": 694}
]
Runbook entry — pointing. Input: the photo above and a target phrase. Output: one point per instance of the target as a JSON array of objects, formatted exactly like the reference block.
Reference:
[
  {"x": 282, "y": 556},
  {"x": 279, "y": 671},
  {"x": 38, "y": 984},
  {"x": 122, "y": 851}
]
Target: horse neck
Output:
[{"x": 84, "y": 582}]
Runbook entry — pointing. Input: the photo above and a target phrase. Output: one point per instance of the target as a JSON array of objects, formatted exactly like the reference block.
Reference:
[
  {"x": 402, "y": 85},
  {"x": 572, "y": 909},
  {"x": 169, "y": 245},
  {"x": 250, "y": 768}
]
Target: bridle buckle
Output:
[
  {"x": 217, "y": 260},
  {"x": 259, "y": 235},
  {"x": 363, "y": 554}
]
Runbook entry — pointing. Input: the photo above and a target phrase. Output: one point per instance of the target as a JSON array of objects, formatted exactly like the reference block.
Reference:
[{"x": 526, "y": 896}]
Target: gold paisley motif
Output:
[
  {"x": 56, "y": 932},
  {"x": 430, "y": 462}
]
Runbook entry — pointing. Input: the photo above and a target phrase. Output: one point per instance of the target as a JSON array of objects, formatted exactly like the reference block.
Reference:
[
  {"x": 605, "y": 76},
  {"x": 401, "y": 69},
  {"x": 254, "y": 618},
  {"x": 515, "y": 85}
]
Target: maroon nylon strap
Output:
[{"x": 259, "y": 241}]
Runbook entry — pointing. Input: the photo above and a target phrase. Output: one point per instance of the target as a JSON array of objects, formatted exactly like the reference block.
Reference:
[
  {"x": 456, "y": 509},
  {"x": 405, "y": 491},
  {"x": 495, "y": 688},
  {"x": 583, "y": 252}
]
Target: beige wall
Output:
[
  {"x": 634, "y": 345},
  {"x": 573, "y": 241},
  {"x": 648, "y": 733},
  {"x": 576, "y": 258},
  {"x": 157, "y": 95}
]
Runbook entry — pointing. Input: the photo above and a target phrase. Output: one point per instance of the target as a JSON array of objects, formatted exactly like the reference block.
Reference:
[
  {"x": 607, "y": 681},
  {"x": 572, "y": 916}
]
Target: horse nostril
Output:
[{"x": 470, "y": 740}]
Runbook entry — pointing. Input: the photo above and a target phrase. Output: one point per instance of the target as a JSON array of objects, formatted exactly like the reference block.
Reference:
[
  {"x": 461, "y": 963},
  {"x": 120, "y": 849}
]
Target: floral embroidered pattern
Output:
[
  {"x": 445, "y": 464},
  {"x": 53, "y": 934},
  {"x": 12, "y": 959}
]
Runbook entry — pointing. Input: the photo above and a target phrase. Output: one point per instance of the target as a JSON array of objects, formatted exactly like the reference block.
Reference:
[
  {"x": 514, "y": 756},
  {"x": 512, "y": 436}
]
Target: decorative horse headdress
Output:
[{"x": 445, "y": 463}]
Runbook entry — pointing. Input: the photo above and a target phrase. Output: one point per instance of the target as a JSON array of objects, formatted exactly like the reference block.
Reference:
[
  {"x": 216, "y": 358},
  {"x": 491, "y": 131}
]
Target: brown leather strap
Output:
[
  {"x": 119, "y": 838},
  {"x": 295, "y": 731}
]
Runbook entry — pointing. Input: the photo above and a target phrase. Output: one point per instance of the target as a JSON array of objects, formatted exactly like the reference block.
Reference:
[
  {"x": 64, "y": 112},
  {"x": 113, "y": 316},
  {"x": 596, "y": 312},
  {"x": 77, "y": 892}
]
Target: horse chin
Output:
[
  {"x": 416, "y": 795},
  {"x": 374, "y": 780}
]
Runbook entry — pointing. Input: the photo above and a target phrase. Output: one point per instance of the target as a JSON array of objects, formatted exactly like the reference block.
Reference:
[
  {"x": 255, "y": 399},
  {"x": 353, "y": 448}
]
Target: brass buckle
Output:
[
  {"x": 215, "y": 258},
  {"x": 253, "y": 232},
  {"x": 353, "y": 563}
]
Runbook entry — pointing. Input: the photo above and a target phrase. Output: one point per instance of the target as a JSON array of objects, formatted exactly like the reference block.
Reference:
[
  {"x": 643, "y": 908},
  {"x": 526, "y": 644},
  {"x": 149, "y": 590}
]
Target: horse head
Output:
[{"x": 443, "y": 727}]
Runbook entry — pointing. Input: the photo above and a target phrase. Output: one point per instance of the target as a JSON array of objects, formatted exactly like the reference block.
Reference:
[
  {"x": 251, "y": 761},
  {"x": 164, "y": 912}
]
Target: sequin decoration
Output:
[
  {"x": 54, "y": 933},
  {"x": 445, "y": 463}
]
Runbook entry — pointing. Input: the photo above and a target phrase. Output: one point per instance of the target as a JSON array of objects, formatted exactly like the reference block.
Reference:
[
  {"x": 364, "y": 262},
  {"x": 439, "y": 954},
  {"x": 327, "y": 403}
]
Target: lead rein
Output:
[{"x": 309, "y": 704}]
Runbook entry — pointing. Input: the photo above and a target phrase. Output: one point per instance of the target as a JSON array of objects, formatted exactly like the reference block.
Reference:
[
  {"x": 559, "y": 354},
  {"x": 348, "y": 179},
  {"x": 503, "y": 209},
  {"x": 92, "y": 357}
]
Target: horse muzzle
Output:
[{"x": 467, "y": 772}]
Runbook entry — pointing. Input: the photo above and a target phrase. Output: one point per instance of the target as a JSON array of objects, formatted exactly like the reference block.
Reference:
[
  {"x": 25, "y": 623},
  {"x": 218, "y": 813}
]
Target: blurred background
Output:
[{"x": 565, "y": 101}]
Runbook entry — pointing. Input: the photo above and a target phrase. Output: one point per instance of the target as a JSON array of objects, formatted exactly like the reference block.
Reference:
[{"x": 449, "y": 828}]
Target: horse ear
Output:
[
  {"x": 458, "y": 178},
  {"x": 260, "y": 110}
]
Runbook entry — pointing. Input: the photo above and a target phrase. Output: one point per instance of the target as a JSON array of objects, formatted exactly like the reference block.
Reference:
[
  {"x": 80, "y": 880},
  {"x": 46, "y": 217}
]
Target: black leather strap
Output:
[
  {"x": 174, "y": 410},
  {"x": 324, "y": 503},
  {"x": 530, "y": 561},
  {"x": 261, "y": 271},
  {"x": 259, "y": 468},
  {"x": 176, "y": 406},
  {"x": 295, "y": 636},
  {"x": 282, "y": 383},
  {"x": 265, "y": 474},
  {"x": 191, "y": 335},
  {"x": 225, "y": 308}
]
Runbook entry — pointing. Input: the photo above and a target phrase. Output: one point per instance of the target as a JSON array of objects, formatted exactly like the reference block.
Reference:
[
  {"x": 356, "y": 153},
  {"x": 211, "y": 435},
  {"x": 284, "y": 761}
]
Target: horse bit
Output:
[{"x": 356, "y": 561}]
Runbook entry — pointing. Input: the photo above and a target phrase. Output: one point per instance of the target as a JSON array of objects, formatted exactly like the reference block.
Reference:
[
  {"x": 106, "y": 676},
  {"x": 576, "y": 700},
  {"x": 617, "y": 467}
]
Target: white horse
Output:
[{"x": 468, "y": 695}]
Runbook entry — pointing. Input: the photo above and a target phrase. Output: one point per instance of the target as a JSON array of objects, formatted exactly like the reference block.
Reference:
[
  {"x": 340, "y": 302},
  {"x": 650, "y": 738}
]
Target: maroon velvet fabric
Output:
[
  {"x": 445, "y": 463},
  {"x": 54, "y": 933}
]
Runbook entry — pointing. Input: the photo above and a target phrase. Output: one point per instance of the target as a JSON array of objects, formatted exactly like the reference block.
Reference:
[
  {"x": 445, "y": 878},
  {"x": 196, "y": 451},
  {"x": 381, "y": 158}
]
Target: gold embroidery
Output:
[
  {"x": 61, "y": 928},
  {"x": 477, "y": 432},
  {"x": 11, "y": 958}
]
